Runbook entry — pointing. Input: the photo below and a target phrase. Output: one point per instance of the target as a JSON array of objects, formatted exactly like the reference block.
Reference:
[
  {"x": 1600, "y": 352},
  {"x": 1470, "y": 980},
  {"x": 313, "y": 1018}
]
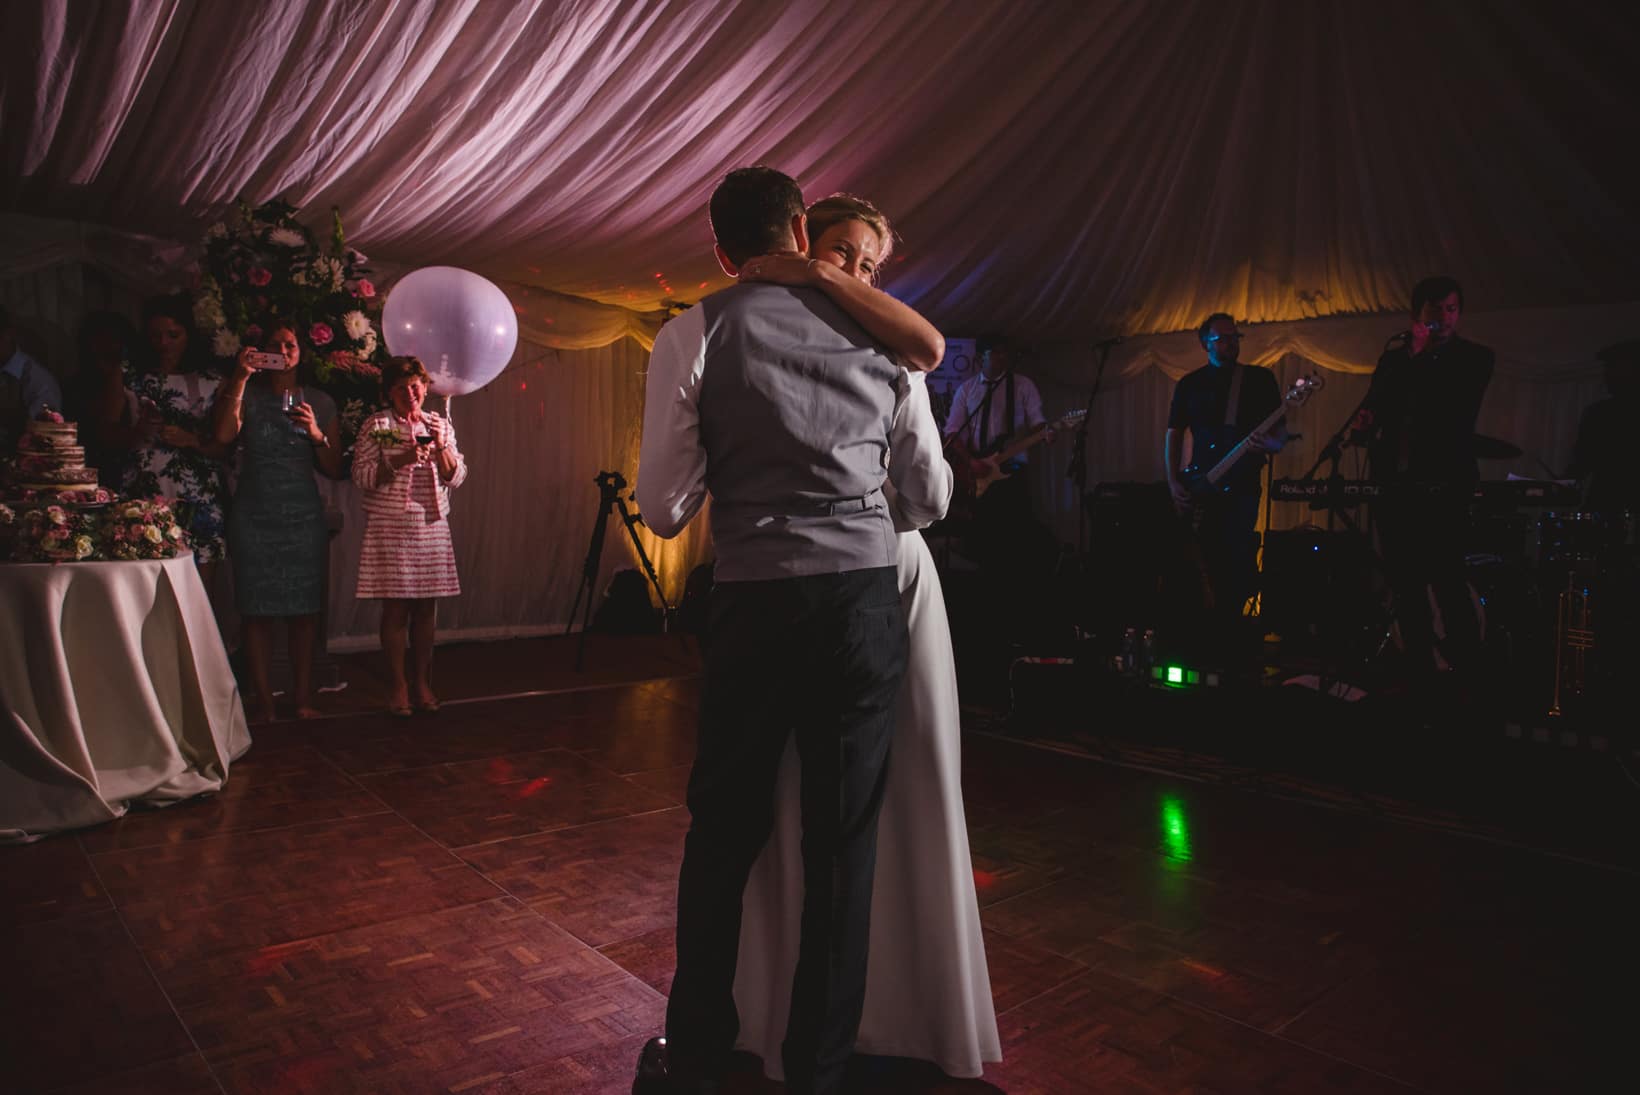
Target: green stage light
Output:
[
  {"x": 1175, "y": 829},
  {"x": 1175, "y": 674}
]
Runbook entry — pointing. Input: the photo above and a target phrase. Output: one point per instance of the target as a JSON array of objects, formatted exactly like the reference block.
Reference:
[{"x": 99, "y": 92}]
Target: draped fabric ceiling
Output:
[{"x": 1058, "y": 171}]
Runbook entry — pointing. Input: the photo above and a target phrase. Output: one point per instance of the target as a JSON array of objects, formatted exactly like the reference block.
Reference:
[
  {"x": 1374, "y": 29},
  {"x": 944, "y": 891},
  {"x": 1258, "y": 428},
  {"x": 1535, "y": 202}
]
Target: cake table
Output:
[{"x": 115, "y": 689}]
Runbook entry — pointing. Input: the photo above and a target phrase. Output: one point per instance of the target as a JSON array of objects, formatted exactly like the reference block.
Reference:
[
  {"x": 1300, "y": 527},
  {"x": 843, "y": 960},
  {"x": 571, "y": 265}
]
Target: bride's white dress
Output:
[{"x": 928, "y": 991}]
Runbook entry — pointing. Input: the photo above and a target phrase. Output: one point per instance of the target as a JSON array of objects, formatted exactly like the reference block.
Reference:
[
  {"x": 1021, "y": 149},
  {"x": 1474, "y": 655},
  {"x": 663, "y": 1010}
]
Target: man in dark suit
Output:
[{"x": 1418, "y": 422}]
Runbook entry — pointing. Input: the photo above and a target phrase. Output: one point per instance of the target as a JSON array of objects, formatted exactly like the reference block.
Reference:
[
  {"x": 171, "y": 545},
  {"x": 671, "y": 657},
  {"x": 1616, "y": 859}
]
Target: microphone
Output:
[{"x": 1107, "y": 343}]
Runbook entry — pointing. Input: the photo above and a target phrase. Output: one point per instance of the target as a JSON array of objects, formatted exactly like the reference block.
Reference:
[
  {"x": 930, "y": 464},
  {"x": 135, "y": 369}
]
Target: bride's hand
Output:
[{"x": 780, "y": 267}]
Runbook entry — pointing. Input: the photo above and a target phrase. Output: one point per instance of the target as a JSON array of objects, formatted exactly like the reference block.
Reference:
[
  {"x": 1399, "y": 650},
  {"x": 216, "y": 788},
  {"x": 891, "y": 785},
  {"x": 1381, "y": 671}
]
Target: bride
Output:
[{"x": 928, "y": 990}]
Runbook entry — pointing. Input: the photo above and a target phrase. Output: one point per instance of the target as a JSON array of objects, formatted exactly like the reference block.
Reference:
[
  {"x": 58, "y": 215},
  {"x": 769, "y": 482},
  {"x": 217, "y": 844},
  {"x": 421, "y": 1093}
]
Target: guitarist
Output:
[
  {"x": 1220, "y": 404},
  {"x": 1012, "y": 550}
]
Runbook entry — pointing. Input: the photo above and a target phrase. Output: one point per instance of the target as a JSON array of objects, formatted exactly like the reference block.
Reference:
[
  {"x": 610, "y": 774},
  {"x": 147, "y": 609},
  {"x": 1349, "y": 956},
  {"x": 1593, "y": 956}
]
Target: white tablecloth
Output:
[{"x": 116, "y": 689}]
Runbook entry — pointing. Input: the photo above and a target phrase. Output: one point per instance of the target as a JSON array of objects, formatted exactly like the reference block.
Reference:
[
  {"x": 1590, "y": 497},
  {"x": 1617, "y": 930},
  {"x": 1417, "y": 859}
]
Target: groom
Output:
[{"x": 773, "y": 401}]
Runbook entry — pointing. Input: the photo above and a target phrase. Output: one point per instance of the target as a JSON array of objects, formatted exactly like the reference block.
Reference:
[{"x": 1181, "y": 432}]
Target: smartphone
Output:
[{"x": 260, "y": 359}]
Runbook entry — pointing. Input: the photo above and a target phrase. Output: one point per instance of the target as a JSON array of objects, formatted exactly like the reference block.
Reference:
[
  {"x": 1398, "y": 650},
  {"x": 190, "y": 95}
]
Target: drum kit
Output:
[{"x": 1553, "y": 584}]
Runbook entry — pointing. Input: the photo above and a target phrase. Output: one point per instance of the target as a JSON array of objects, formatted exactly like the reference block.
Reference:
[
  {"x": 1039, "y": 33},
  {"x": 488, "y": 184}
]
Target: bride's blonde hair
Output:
[{"x": 845, "y": 207}]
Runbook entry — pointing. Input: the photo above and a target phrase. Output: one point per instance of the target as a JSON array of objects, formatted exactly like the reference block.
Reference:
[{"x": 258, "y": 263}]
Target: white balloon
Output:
[{"x": 461, "y": 325}]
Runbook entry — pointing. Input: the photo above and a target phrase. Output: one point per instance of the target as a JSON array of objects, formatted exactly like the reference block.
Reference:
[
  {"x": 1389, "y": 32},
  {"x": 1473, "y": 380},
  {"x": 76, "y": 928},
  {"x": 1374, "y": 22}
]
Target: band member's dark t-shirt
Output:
[{"x": 1200, "y": 401}]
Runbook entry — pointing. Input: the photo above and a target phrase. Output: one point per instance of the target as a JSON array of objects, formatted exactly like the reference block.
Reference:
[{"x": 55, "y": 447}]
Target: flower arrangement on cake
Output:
[{"x": 263, "y": 264}]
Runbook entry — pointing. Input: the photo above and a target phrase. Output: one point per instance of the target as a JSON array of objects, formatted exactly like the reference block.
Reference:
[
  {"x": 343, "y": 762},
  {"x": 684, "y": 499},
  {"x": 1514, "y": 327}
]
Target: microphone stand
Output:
[
  {"x": 1079, "y": 465},
  {"x": 1332, "y": 452}
]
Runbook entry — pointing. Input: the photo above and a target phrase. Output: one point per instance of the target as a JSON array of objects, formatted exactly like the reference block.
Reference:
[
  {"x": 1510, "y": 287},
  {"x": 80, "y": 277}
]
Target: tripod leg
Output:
[
  {"x": 632, "y": 520},
  {"x": 589, "y": 581}
]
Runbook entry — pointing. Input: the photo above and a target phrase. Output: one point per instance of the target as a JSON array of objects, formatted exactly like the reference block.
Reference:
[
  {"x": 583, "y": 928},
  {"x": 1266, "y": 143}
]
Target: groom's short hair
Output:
[{"x": 752, "y": 210}]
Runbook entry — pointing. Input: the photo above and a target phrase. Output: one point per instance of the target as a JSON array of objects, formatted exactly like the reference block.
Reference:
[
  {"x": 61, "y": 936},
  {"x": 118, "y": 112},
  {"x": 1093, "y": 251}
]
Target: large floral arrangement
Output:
[
  {"x": 263, "y": 265},
  {"x": 136, "y": 528},
  {"x": 53, "y": 534},
  {"x": 142, "y": 528}
]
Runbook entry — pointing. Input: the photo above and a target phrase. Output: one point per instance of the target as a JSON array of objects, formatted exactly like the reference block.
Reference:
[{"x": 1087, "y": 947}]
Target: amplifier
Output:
[{"x": 1314, "y": 581}]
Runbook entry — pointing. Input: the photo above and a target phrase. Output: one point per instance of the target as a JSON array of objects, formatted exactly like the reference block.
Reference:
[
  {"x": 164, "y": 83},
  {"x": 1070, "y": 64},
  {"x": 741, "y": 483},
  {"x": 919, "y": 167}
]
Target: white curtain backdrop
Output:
[{"x": 1058, "y": 172}]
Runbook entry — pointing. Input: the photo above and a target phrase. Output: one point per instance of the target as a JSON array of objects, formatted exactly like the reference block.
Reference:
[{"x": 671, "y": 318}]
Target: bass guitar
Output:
[
  {"x": 1204, "y": 483},
  {"x": 975, "y": 474}
]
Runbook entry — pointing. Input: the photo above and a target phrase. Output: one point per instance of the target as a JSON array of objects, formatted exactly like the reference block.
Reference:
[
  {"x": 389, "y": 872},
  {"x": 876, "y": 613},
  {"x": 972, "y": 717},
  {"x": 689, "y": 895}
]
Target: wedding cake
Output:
[{"x": 50, "y": 465}]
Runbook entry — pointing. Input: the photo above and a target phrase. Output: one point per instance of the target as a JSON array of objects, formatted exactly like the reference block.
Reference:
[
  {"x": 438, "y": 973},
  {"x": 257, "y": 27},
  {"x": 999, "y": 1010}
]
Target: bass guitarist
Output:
[{"x": 1220, "y": 404}]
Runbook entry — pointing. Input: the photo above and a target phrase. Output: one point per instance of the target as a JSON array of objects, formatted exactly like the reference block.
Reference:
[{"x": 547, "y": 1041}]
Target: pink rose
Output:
[
  {"x": 259, "y": 276},
  {"x": 366, "y": 289},
  {"x": 320, "y": 334},
  {"x": 253, "y": 335}
]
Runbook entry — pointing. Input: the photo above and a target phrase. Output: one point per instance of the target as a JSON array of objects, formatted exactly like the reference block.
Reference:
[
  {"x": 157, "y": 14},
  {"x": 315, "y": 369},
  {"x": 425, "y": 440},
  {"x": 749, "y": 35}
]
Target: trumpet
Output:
[{"x": 1574, "y": 642}]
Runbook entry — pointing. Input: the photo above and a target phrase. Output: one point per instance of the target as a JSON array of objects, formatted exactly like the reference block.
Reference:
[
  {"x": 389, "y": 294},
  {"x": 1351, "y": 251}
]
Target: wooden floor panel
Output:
[
  {"x": 1100, "y": 1033},
  {"x": 603, "y": 883},
  {"x": 188, "y": 901},
  {"x": 185, "y": 1075},
  {"x": 650, "y": 957},
  {"x": 510, "y": 796},
  {"x": 293, "y": 785},
  {"x": 482, "y": 900},
  {"x": 447, "y": 1000},
  {"x": 47, "y": 880},
  {"x": 672, "y": 782},
  {"x": 79, "y": 1003}
]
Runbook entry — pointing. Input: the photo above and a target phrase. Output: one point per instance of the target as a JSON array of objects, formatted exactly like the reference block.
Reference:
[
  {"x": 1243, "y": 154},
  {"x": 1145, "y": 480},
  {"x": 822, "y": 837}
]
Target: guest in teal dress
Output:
[{"x": 277, "y": 540}]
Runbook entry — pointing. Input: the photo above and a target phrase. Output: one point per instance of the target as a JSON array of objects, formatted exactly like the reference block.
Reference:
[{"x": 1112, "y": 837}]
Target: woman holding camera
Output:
[
  {"x": 406, "y": 463},
  {"x": 277, "y": 538}
]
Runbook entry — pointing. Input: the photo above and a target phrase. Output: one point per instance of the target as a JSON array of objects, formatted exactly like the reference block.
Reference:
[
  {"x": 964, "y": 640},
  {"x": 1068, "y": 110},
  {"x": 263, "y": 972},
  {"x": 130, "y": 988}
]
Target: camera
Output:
[{"x": 610, "y": 480}]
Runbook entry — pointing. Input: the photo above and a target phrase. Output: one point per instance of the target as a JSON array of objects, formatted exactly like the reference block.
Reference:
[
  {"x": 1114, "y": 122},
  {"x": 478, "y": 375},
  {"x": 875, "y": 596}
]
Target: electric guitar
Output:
[
  {"x": 1203, "y": 484},
  {"x": 972, "y": 482}
]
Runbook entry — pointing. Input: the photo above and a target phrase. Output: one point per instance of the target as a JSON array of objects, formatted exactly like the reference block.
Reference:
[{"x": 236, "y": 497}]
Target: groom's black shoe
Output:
[{"x": 655, "y": 1075}]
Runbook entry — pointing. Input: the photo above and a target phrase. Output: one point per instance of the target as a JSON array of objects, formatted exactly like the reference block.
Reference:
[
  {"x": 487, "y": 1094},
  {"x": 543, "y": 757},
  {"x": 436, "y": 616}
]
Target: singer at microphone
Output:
[{"x": 1418, "y": 423}]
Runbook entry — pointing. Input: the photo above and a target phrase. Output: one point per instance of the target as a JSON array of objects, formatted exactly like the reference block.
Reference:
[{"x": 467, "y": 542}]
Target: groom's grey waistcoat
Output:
[{"x": 795, "y": 408}]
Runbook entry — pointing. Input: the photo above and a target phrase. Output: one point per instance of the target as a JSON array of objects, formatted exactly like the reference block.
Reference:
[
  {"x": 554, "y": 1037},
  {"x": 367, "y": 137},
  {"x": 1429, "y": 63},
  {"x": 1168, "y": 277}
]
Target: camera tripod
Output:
[{"x": 610, "y": 486}]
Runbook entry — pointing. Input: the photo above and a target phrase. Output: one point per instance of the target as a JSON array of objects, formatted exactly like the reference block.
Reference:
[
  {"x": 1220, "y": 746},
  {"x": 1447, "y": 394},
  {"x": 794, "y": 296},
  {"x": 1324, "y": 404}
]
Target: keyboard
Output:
[{"x": 1490, "y": 493}]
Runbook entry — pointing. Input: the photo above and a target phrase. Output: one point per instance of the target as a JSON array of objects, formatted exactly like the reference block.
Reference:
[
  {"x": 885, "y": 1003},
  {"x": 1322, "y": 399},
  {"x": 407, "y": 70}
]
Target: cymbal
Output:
[{"x": 1494, "y": 448}]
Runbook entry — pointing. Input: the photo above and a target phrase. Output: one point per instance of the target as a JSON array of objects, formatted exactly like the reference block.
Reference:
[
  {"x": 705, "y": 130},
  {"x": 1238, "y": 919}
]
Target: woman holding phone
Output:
[
  {"x": 277, "y": 538},
  {"x": 406, "y": 463}
]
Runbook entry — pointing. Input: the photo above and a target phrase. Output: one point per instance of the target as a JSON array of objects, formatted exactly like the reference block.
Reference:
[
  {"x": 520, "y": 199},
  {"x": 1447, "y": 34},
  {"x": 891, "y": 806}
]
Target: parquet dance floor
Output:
[{"x": 481, "y": 901}]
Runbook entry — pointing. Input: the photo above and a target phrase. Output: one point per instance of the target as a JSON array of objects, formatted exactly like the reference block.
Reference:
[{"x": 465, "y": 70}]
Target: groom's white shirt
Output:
[{"x": 672, "y": 462}]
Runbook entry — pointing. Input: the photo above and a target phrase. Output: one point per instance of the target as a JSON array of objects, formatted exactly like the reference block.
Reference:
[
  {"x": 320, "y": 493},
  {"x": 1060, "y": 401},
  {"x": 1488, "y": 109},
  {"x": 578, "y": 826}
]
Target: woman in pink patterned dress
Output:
[{"x": 405, "y": 462}]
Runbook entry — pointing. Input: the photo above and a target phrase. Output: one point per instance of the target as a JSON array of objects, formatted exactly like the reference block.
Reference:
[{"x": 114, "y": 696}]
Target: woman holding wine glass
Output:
[
  {"x": 406, "y": 462},
  {"x": 277, "y": 539}
]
